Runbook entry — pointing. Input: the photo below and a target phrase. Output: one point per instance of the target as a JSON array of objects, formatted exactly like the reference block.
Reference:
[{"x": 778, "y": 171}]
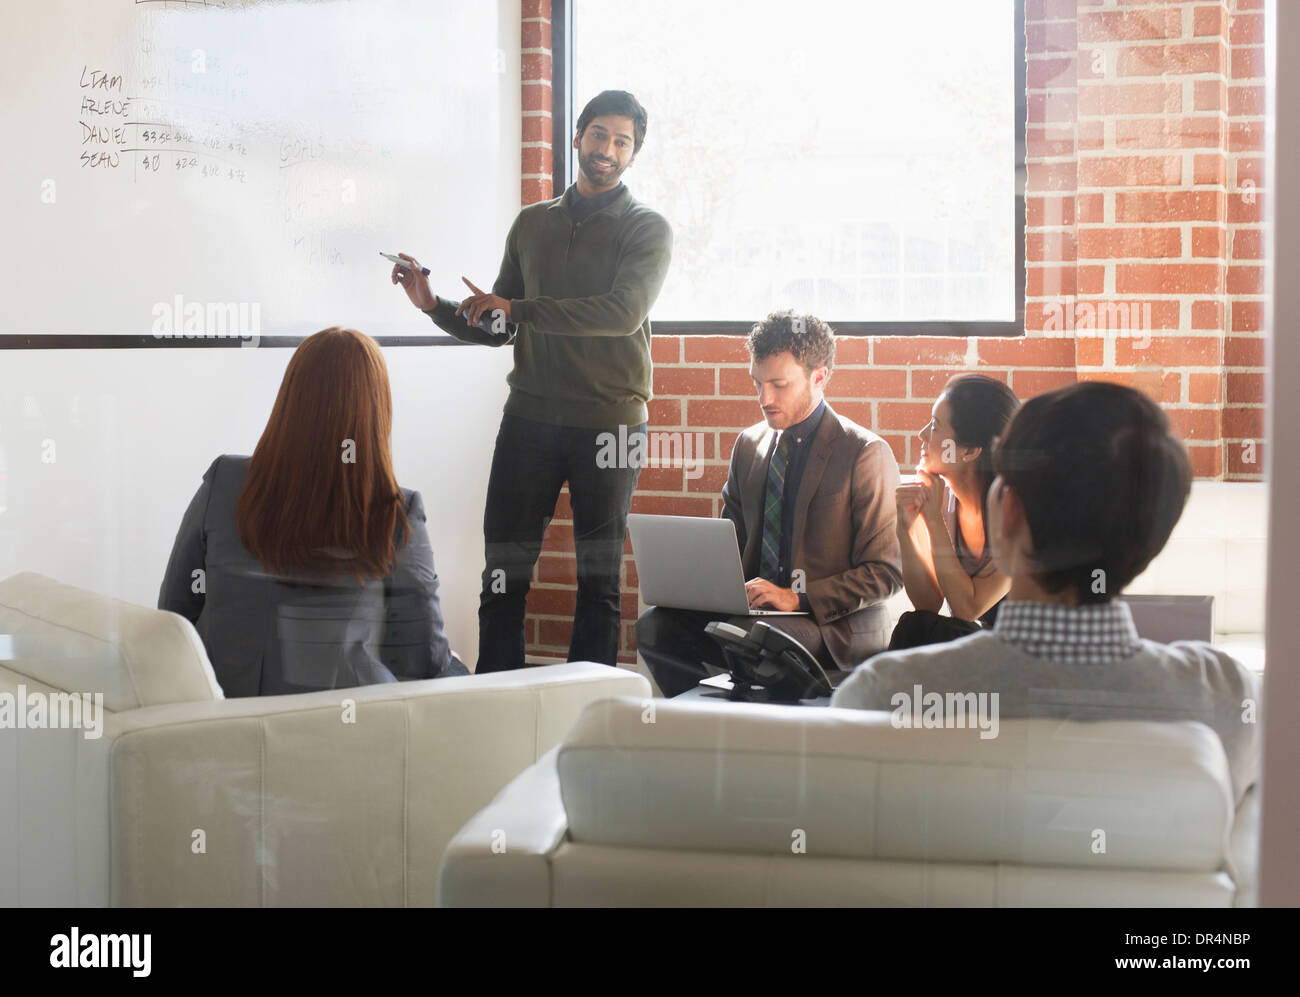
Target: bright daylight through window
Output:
[{"x": 821, "y": 155}]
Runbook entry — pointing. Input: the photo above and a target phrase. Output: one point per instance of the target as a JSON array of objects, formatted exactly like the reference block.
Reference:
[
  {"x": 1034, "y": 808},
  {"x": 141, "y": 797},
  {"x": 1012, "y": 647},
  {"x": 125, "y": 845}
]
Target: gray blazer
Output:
[
  {"x": 845, "y": 539},
  {"x": 266, "y": 638}
]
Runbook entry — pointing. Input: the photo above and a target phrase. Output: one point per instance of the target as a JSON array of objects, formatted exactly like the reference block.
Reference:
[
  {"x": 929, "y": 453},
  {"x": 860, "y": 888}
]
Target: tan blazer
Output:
[{"x": 844, "y": 528}]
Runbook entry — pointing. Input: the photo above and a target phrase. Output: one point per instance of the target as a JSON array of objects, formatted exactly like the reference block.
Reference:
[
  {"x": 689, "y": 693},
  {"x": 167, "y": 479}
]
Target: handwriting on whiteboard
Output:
[{"x": 179, "y": 117}]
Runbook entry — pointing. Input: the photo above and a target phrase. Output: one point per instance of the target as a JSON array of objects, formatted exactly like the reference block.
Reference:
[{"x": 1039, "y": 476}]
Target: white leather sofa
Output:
[
  {"x": 696, "y": 803},
  {"x": 187, "y": 798}
]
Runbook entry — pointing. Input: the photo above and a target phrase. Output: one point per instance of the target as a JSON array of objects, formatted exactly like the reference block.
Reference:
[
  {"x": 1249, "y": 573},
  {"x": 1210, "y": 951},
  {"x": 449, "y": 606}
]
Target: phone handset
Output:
[{"x": 779, "y": 666}]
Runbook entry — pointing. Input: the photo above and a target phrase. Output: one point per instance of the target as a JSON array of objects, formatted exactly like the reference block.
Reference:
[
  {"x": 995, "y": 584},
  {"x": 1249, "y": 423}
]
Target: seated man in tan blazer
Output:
[{"x": 812, "y": 497}]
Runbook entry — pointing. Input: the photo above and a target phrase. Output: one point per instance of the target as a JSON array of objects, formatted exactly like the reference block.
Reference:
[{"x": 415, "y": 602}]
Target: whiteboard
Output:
[{"x": 196, "y": 168}]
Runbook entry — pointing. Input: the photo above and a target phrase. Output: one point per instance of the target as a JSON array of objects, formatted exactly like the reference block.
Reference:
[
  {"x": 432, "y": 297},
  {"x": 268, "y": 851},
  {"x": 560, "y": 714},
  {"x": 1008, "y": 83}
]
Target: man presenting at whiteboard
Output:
[{"x": 573, "y": 296}]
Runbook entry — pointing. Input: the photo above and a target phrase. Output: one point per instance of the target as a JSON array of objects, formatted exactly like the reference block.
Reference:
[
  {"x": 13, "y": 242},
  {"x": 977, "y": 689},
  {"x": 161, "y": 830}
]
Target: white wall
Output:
[{"x": 133, "y": 429}]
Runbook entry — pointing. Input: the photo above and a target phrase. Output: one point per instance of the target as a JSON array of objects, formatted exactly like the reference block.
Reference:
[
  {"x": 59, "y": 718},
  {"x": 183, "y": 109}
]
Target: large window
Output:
[{"x": 823, "y": 156}]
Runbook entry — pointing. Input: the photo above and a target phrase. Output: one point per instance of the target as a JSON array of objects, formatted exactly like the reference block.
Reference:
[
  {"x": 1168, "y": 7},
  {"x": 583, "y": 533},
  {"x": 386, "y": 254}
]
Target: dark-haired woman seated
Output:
[
  {"x": 946, "y": 557},
  {"x": 306, "y": 567}
]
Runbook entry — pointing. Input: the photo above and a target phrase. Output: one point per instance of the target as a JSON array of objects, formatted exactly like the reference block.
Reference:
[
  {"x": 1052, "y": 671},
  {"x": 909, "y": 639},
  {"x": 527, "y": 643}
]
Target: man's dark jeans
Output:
[{"x": 531, "y": 463}]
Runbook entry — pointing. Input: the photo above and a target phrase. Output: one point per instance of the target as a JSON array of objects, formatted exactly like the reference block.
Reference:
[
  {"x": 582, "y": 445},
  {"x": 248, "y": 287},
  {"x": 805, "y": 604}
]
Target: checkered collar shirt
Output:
[{"x": 1079, "y": 635}]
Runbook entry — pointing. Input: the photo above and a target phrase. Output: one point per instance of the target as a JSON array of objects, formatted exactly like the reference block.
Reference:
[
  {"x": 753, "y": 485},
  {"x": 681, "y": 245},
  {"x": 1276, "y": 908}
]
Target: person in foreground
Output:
[
  {"x": 1090, "y": 484},
  {"x": 306, "y": 567},
  {"x": 946, "y": 556},
  {"x": 812, "y": 496}
]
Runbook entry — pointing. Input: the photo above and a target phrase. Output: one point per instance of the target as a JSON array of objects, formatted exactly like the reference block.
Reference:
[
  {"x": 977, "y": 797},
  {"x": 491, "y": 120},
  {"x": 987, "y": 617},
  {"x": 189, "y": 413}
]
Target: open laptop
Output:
[{"x": 689, "y": 562}]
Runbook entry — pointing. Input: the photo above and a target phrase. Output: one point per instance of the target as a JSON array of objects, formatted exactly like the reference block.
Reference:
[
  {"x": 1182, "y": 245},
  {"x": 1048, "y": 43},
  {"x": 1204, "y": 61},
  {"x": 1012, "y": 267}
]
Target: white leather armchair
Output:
[{"x": 190, "y": 799}]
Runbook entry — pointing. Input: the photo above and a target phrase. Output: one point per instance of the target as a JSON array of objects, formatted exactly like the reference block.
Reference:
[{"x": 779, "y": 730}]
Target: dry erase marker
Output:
[{"x": 405, "y": 264}]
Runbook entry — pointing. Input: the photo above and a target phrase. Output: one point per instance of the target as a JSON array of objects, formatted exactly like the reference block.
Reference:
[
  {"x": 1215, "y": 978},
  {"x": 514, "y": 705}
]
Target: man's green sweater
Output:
[{"x": 580, "y": 294}]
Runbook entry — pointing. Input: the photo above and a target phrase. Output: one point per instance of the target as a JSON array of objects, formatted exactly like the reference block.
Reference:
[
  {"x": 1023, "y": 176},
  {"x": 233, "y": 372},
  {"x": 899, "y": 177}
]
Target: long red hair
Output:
[{"x": 321, "y": 496}]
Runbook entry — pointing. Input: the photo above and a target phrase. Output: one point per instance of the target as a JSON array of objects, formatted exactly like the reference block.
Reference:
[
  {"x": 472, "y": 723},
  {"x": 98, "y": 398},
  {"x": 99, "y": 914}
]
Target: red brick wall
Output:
[
  {"x": 1144, "y": 157},
  {"x": 1144, "y": 148},
  {"x": 535, "y": 76}
]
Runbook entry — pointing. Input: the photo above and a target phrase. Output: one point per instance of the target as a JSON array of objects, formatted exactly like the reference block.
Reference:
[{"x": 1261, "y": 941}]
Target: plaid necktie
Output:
[{"x": 772, "y": 509}]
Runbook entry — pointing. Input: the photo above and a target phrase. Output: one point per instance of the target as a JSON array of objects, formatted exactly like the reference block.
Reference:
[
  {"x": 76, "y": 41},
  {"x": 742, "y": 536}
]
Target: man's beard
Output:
[
  {"x": 796, "y": 410},
  {"x": 609, "y": 179}
]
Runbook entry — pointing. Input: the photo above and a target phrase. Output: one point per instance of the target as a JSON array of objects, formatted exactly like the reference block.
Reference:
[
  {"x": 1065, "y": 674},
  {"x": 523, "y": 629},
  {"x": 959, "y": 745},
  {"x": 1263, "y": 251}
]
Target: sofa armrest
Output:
[
  {"x": 501, "y": 858},
  {"x": 1243, "y": 850},
  {"x": 345, "y": 797}
]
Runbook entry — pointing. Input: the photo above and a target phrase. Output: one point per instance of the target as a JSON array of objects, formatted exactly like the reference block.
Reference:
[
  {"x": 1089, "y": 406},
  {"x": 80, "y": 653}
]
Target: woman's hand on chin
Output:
[
  {"x": 932, "y": 487},
  {"x": 909, "y": 498}
]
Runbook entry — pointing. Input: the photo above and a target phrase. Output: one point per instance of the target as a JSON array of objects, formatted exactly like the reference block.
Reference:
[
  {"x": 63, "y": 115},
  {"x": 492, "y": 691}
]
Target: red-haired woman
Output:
[{"x": 306, "y": 566}]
